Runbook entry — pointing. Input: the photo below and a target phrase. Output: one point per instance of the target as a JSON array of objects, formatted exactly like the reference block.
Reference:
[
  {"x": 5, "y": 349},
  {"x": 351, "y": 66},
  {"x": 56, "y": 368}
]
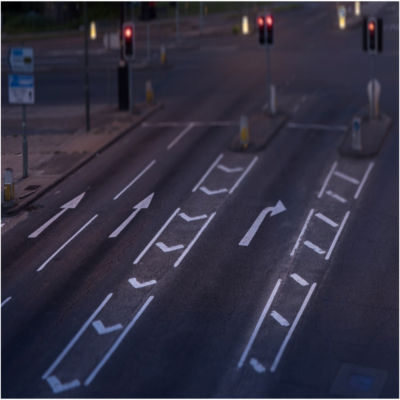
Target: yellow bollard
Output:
[
  {"x": 93, "y": 32},
  {"x": 244, "y": 132},
  {"x": 342, "y": 17},
  {"x": 149, "y": 93},
  {"x": 357, "y": 8},
  {"x": 163, "y": 55},
  {"x": 9, "y": 194}
]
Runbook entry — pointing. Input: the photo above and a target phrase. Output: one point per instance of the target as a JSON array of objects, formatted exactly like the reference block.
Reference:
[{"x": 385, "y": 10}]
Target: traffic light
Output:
[
  {"x": 128, "y": 31},
  {"x": 372, "y": 35},
  {"x": 269, "y": 23},
  {"x": 261, "y": 30}
]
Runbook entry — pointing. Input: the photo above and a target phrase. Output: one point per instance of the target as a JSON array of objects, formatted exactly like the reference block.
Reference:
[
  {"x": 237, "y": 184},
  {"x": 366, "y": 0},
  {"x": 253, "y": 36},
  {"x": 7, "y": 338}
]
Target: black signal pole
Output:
[{"x": 86, "y": 65}]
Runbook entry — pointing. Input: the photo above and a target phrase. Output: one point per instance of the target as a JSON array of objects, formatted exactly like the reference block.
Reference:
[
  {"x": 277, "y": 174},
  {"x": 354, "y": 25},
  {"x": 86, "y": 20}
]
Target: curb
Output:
[{"x": 81, "y": 163}]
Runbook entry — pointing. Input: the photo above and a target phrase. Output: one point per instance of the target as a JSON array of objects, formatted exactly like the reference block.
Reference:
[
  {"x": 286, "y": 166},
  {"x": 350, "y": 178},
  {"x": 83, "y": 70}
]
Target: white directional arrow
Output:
[
  {"x": 138, "y": 285},
  {"x": 247, "y": 238},
  {"x": 145, "y": 203},
  {"x": 67, "y": 206},
  {"x": 102, "y": 330},
  {"x": 209, "y": 192},
  {"x": 167, "y": 249},
  {"x": 188, "y": 218},
  {"x": 58, "y": 387}
]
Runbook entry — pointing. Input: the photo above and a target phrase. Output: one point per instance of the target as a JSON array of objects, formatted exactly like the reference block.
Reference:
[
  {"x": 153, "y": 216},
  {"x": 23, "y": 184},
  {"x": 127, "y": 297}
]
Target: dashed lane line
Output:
[
  {"x": 278, "y": 318},
  {"x": 299, "y": 279},
  {"x": 310, "y": 214},
  {"x": 314, "y": 247},
  {"x": 336, "y": 196},
  {"x": 255, "y": 159},
  {"x": 327, "y": 220},
  {"x": 364, "y": 179},
  {"x": 337, "y": 235},
  {"x": 325, "y": 184},
  {"x": 180, "y": 136},
  {"x": 346, "y": 177},
  {"x": 212, "y": 166}
]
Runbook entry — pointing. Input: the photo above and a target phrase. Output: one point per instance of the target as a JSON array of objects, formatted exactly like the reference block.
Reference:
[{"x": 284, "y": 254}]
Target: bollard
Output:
[
  {"x": 244, "y": 132},
  {"x": 93, "y": 32},
  {"x": 342, "y": 17},
  {"x": 374, "y": 92},
  {"x": 9, "y": 194},
  {"x": 149, "y": 93},
  {"x": 163, "y": 55},
  {"x": 245, "y": 25},
  {"x": 356, "y": 134},
  {"x": 272, "y": 99},
  {"x": 357, "y": 8}
]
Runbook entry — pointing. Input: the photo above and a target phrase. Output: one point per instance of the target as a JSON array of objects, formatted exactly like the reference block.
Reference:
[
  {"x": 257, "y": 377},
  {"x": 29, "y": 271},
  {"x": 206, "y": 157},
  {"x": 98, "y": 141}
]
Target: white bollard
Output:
[
  {"x": 374, "y": 92},
  {"x": 357, "y": 8},
  {"x": 356, "y": 134},
  {"x": 245, "y": 25}
]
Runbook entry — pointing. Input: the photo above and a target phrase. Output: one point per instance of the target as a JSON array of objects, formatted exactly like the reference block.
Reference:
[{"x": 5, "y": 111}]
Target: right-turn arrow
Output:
[{"x": 247, "y": 238}]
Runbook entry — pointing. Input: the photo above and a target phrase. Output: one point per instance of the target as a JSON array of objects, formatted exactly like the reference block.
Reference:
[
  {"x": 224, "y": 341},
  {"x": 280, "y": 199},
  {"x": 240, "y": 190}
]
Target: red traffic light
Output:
[
  {"x": 260, "y": 21},
  {"x": 269, "y": 20},
  {"x": 128, "y": 32},
  {"x": 371, "y": 26}
]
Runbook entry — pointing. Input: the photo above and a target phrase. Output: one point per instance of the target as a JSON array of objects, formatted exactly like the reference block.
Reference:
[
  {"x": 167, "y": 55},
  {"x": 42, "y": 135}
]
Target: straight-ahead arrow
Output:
[
  {"x": 145, "y": 203},
  {"x": 247, "y": 238},
  {"x": 67, "y": 206}
]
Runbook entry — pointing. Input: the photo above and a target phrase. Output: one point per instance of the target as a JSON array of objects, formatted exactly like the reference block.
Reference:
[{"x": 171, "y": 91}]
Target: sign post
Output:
[{"x": 21, "y": 90}]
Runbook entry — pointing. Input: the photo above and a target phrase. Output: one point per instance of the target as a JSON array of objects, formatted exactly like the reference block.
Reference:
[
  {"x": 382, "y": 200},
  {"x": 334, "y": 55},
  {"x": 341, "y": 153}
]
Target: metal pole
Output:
[
  {"x": 269, "y": 78},
  {"x": 130, "y": 83},
  {"x": 86, "y": 72},
  {"x": 372, "y": 80},
  {"x": 201, "y": 16},
  {"x": 177, "y": 19},
  {"x": 24, "y": 144},
  {"x": 148, "y": 40}
]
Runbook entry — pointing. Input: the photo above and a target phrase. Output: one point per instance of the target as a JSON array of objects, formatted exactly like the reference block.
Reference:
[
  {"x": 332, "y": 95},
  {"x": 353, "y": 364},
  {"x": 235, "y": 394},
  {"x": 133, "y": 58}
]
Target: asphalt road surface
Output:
[{"x": 187, "y": 269}]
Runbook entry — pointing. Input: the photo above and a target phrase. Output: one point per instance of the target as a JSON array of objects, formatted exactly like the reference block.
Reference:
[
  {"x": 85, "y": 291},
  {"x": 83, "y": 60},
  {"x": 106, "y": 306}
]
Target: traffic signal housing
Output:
[
  {"x": 372, "y": 35},
  {"x": 261, "y": 30},
  {"x": 269, "y": 24},
  {"x": 265, "y": 29},
  {"x": 128, "y": 31}
]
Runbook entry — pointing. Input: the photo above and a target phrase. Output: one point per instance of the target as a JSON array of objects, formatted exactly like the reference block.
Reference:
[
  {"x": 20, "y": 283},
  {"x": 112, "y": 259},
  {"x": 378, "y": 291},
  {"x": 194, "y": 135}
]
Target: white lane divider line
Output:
[
  {"x": 278, "y": 318},
  {"x": 337, "y": 235},
  {"x": 325, "y": 184},
  {"x": 336, "y": 196},
  {"x": 257, "y": 366},
  {"x": 138, "y": 285},
  {"x": 296, "y": 125},
  {"x": 180, "y": 136},
  {"x": 100, "y": 365},
  {"x": 135, "y": 179},
  {"x": 164, "y": 124},
  {"x": 209, "y": 192},
  {"x": 57, "y": 386},
  {"x": 327, "y": 220},
  {"x": 346, "y": 177},
  {"x": 364, "y": 179},
  {"x": 102, "y": 330},
  {"x": 314, "y": 247},
  {"x": 67, "y": 242},
  {"x": 144, "y": 251},
  {"x": 292, "y": 328},
  {"x": 310, "y": 214},
  {"x": 182, "y": 256},
  {"x": 167, "y": 249},
  {"x": 6, "y": 301},
  {"x": 229, "y": 170},
  {"x": 258, "y": 325},
  {"x": 212, "y": 166},
  {"x": 299, "y": 279},
  {"x": 247, "y": 170},
  {"x": 76, "y": 338},
  {"x": 187, "y": 218}
]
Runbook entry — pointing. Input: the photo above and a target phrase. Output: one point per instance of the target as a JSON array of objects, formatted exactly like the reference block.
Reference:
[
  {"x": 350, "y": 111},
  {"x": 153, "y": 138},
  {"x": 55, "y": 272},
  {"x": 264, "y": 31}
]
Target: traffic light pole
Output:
[
  {"x": 269, "y": 78},
  {"x": 130, "y": 83},
  {"x": 24, "y": 144},
  {"x": 86, "y": 73}
]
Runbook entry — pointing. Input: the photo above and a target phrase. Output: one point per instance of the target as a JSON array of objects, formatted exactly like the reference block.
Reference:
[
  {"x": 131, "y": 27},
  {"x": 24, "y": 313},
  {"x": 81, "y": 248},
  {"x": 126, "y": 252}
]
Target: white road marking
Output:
[
  {"x": 145, "y": 203},
  {"x": 310, "y": 214},
  {"x": 100, "y": 365},
  {"x": 314, "y": 247},
  {"x": 183, "y": 124},
  {"x": 209, "y": 192},
  {"x": 180, "y": 136},
  {"x": 138, "y": 285},
  {"x": 144, "y": 251},
  {"x": 258, "y": 367},
  {"x": 182, "y": 256},
  {"x": 212, "y": 166},
  {"x": 247, "y": 238},
  {"x": 57, "y": 386},
  {"x": 326, "y": 220},
  {"x": 102, "y": 330},
  {"x": 3, "y": 224},
  {"x": 6, "y": 301},
  {"x": 67, "y": 242},
  {"x": 229, "y": 170},
  {"x": 244, "y": 174},
  {"x": 336, "y": 196},
  {"x": 67, "y": 206},
  {"x": 258, "y": 325},
  {"x": 278, "y": 318},
  {"x": 299, "y": 279},
  {"x": 325, "y": 184},
  {"x": 295, "y": 125},
  {"x": 168, "y": 249},
  {"x": 364, "y": 179},
  {"x": 346, "y": 177},
  {"x": 292, "y": 328},
  {"x": 187, "y": 218},
  {"x": 134, "y": 180},
  {"x": 76, "y": 338},
  {"x": 337, "y": 235}
]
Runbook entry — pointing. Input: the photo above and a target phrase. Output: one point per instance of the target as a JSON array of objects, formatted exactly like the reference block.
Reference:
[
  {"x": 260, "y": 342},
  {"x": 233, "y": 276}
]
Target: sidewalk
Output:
[{"x": 54, "y": 156}]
